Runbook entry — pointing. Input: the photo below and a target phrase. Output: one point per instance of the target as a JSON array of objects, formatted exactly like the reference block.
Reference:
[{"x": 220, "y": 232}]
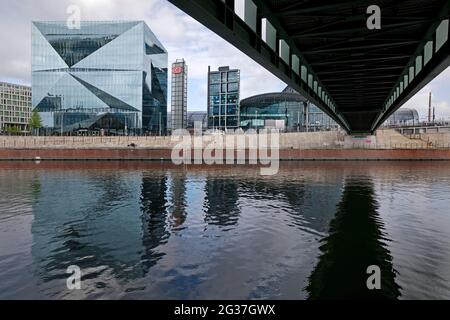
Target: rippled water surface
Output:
[{"x": 155, "y": 231}]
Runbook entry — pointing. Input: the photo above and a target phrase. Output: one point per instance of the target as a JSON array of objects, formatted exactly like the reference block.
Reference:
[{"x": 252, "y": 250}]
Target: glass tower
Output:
[
  {"x": 179, "y": 95},
  {"x": 105, "y": 75},
  {"x": 223, "y": 98}
]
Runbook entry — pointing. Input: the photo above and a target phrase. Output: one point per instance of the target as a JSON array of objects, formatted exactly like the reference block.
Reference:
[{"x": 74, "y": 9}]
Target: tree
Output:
[
  {"x": 13, "y": 130},
  {"x": 35, "y": 121}
]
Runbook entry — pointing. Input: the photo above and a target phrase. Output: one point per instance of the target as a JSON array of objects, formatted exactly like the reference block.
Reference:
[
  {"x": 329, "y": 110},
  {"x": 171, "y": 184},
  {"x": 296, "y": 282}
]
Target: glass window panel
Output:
[
  {"x": 269, "y": 34},
  {"x": 233, "y": 76},
  {"x": 284, "y": 51},
  {"x": 296, "y": 64},
  {"x": 246, "y": 10},
  {"x": 233, "y": 87},
  {"x": 214, "y": 88},
  {"x": 441, "y": 34},
  {"x": 304, "y": 74},
  {"x": 418, "y": 64},
  {"x": 214, "y": 77},
  {"x": 428, "y": 52}
]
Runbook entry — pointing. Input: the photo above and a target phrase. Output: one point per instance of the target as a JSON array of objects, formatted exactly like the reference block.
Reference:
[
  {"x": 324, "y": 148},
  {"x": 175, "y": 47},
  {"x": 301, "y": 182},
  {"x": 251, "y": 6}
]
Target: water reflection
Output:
[
  {"x": 298, "y": 197},
  {"x": 148, "y": 231},
  {"x": 89, "y": 222},
  {"x": 154, "y": 205},
  {"x": 221, "y": 203},
  {"x": 178, "y": 201},
  {"x": 120, "y": 227},
  {"x": 356, "y": 240}
]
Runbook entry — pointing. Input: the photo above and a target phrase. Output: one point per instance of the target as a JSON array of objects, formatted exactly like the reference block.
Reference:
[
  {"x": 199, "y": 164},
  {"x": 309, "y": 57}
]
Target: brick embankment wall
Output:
[{"x": 165, "y": 154}]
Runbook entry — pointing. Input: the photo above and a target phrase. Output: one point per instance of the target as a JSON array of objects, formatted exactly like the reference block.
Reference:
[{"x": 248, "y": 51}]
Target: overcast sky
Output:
[{"x": 182, "y": 36}]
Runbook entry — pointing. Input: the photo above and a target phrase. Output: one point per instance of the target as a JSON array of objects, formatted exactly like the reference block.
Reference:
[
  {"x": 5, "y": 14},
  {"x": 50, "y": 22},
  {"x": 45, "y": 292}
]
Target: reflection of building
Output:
[
  {"x": 285, "y": 110},
  {"x": 63, "y": 230},
  {"x": 179, "y": 95},
  {"x": 221, "y": 204},
  {"x": 223, "y": 98},
  {"x": 104, "y": 69},
  {"x": 154, "y": 217},
  {"x": 177, "y": 189},
  {"x": 15, "y": 106},
  {"x": 403, "y": 117},
  {"x": 299, "y": 199}
]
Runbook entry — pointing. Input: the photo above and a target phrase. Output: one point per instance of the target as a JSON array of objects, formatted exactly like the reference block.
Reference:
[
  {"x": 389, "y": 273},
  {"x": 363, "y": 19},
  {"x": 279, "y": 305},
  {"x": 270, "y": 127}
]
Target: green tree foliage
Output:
[{"x": 35, "y": 120}]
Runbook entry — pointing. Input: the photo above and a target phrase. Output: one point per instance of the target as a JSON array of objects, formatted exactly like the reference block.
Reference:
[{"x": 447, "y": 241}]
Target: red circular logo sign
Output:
[{"x": 177, "y": 70}]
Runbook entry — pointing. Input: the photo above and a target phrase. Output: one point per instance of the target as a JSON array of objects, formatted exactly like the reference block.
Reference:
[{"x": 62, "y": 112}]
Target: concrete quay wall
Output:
[{"x": 384, "y": 139}]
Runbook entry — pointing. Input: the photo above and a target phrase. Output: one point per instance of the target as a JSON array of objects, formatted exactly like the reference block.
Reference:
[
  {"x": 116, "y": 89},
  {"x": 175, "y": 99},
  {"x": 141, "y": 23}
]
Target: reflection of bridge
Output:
[{"x": 325, "y": 50}]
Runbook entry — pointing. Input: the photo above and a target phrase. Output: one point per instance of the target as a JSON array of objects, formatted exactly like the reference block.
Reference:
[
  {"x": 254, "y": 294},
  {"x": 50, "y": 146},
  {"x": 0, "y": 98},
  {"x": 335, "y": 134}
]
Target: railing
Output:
[{"x": 81, "y": 141}]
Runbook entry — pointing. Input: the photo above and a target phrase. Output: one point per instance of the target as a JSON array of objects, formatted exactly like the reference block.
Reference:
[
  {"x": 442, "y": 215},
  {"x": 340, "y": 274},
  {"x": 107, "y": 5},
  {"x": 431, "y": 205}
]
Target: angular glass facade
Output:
[{"x": 113, "y": 69}]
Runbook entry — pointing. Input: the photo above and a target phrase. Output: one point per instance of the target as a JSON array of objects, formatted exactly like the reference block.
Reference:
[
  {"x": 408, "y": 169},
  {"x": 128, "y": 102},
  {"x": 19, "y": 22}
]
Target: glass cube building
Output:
[{"x": 105, "y": 75}]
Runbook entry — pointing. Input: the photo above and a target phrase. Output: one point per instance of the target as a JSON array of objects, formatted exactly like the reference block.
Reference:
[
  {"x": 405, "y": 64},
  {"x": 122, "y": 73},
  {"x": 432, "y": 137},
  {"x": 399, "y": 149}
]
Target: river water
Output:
[{"x": 142, "y": 230}]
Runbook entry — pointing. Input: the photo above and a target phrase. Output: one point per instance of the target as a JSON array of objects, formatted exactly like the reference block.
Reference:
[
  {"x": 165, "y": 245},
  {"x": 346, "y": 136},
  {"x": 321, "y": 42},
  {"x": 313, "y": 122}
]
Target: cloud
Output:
[
  {"x": 182, "y": 36},
  {"x": 440, "y": 97}
]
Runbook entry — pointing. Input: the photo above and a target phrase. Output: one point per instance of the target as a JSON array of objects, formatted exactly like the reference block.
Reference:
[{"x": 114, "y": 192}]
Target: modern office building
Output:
[
  {"x": 197, "y": 116},
  {"x": 179, "y": 94},
  {"x": 192, "y": 117},
  {"x": 105, "y": 75},
  {"x": 223, "y": 98},
  {"x": 403, "y": 116},
  {"x": 287, "y": 110},
  {"x": 15, "y": 107}
]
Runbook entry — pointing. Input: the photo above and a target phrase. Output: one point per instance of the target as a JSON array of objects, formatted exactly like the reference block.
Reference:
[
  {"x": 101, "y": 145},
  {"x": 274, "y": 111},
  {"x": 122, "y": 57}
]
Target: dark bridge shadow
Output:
[{"x": 356, "y": 240}]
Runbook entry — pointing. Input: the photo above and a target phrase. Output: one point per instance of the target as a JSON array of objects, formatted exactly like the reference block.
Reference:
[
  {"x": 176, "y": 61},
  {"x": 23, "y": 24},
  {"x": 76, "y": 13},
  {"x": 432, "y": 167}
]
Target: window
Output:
[
  {"x": 214, "y": 88},
  {"x": 233, "y": 87},
  {"x": 215, "y": 100},
  {"x": 215, "y": 77},
  {"x": 233, "y": 76},
  {"x": 232, "y": 98},
  {"x": 231, "y": 109}
]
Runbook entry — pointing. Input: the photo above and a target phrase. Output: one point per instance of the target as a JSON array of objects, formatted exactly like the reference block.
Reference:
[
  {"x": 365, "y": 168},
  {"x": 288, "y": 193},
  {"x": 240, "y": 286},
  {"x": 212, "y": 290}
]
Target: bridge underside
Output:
[{"x": 325, "y": 50}]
